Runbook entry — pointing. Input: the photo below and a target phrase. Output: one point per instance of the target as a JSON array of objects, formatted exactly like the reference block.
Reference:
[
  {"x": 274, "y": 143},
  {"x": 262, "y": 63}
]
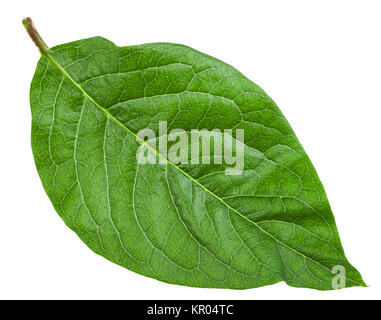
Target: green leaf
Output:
[{"x": 187, "y": 224}]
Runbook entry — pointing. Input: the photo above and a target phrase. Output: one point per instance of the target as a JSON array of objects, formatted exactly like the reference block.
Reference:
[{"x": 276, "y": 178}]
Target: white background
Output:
[{"x": 319, "y": 60}]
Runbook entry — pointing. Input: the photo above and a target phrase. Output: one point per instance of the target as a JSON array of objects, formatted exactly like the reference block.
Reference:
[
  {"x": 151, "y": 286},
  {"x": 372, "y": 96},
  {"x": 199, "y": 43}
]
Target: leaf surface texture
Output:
[{"x": 183, "y": 224}]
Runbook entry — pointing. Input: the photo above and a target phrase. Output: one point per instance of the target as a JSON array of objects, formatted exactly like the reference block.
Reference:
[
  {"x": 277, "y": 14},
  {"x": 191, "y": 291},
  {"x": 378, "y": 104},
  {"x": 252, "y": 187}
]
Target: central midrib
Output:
[{"x": 110, "y": 116}]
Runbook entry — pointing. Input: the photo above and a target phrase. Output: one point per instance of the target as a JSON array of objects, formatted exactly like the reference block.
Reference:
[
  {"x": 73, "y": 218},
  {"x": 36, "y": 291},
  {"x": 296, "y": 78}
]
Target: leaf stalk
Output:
[{"x": 34, "y": 35}]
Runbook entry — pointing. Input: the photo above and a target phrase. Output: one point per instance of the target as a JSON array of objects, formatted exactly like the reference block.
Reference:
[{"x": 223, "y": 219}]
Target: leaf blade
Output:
[{"x": 122, "y": 113}]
